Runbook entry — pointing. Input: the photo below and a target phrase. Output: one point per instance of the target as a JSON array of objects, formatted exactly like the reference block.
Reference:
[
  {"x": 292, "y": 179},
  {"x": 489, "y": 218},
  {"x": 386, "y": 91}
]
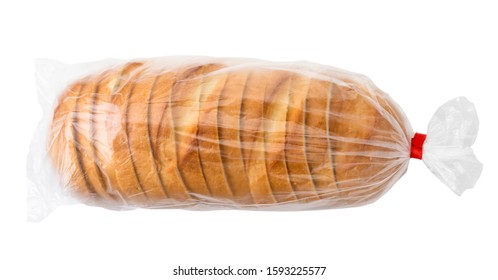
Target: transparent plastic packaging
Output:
[{"x": 223, "y": 133}]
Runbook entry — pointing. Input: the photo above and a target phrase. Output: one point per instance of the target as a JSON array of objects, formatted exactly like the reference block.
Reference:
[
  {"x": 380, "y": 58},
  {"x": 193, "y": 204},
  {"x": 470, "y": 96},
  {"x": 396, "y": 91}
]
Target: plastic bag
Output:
[{"x": 223, "y": 133}]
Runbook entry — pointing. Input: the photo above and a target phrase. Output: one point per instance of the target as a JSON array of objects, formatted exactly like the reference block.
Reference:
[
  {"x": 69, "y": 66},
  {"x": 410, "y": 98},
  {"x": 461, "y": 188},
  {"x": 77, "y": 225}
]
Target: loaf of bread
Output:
[{"x": 227, "y": 133}]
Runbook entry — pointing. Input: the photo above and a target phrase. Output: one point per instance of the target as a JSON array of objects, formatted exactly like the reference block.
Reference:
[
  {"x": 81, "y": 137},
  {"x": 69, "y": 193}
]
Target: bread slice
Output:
[
  {"x": 142, "y": 156},
  {"x": 162, "y": 135},
  {"x": 63, "y": 149},
  {"x": 207, "y": 135},
  {"x": 252, "y": 136},
  {"x": 229, "y": 135},
  {"x": 106, "y": 124},
  {"x": 295, "y": 141},
  {"x": 318, "y": 147},
  {"x": 185, "y": 114},
  {"x": 84, "y": 136},
  {"x": 122, "y": 164},
  {"x": 274, "y": 129}
]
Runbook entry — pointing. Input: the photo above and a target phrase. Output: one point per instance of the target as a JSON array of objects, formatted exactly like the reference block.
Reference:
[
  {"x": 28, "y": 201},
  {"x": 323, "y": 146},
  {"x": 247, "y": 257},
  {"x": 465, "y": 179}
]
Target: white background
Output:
[{"x": 422, "y": 54}]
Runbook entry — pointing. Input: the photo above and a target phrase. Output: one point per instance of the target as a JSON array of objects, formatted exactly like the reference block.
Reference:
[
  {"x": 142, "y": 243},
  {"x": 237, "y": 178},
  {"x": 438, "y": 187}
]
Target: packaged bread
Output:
[{"x": 221, "y": 133}]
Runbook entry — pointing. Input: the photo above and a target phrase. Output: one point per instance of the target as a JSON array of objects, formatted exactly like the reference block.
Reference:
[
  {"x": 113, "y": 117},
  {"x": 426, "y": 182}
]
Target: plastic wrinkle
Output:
[{"x": 447, "y": 150}]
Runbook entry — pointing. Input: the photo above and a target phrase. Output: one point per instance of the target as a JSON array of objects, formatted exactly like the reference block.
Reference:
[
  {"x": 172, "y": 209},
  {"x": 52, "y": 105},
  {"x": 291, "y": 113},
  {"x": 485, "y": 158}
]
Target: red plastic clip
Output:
[{"x": 417, "y": 145}]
